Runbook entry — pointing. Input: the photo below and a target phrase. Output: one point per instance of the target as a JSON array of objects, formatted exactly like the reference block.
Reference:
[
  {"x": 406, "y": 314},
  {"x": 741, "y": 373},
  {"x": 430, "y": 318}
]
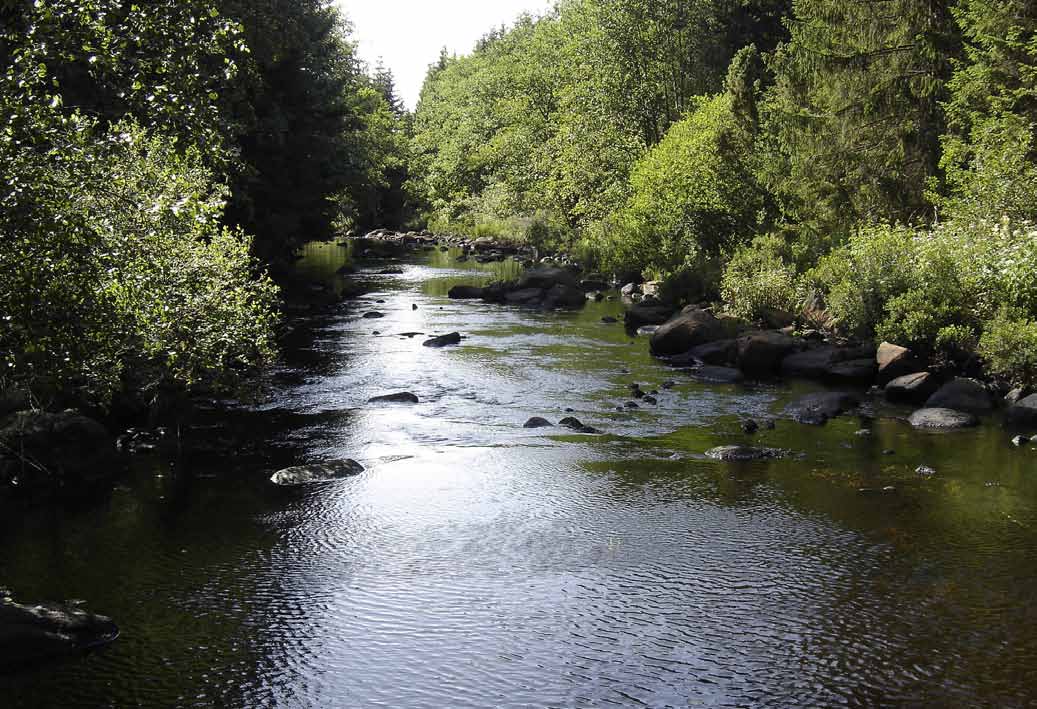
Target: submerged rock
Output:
[
  {"x": 453, "y": 338},
  {"x": 316, "y": 473},
  {"x": 32, "y": 633},
  {"x": 373, "y": 315},
  {"x": 717, "y": 375},
  {"x": 465, "y": 292},
  {"x": 746, "y": 453},
  {"x": 938, "y": 418},
  {"x": 403, "y": 397},
  {"x": 537, "y": 422},
  {"x": 816, "y": 409}
]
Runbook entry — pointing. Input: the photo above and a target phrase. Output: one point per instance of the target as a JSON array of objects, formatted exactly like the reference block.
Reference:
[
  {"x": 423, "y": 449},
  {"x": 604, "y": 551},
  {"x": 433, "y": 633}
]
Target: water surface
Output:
[{"x": 477, "y": 563}]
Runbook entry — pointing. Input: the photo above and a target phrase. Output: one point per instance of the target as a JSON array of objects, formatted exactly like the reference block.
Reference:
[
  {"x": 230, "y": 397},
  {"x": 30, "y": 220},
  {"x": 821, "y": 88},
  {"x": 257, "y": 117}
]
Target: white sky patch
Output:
[{"x": 408, "y": 34}]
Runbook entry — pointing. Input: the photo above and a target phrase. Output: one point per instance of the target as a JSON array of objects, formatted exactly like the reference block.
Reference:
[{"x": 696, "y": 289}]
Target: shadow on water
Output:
[{"x": 477, "y": 563}]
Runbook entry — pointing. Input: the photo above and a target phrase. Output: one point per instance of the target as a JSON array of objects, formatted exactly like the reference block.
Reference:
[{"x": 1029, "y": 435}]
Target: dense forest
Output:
[{"x": 868, "y": 166}]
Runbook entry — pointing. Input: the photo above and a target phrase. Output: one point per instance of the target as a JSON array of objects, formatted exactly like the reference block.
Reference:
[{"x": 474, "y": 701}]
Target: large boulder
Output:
[
  {"x": 32, "y": 633},
  {"x": 563, "y": 296},
  {"x": 942, "y": 419},
  {"x": 961, "y": 395},
  {"x": 650, "y": 313},
  {"x": 316, "y": 473},
  {"x": 858, "y": 371},
  {"x": 681, "y": 333},
  {"x": 810, "y": 364},
  {"x": 54, "y": 449},
  {"x": 912, "y": 388},
  {"x": 720, "y": 353},
  {"x": 816, "y": 409},
  {"x": 1024, "y": 411},
  {"x": 547, "y": 278},
  {"x": 465, "y": 292},
  {"x": 761, "y": 353},
  {"x": 895, "y": 361}
]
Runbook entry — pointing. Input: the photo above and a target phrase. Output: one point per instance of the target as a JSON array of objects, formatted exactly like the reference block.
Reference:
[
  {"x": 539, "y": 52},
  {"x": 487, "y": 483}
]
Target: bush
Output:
[
  {"x": 692, "y": 196},
  {"x": 120, "y": 266},
  {"x": 1009, "y": 346},
  {"x": 760, "y": 277}
]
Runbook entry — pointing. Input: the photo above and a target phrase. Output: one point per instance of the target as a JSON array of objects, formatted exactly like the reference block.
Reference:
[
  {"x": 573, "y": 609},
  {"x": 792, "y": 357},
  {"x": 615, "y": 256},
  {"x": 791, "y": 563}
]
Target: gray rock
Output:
[
  {"x": 761, "y": 353},
  {"x": 961, "y": 395},
  {"x": 717, "y": 375},
  {"x": 564, "y": 296},
  {"x": 1024, "y": 411},
  {"x": 937, "y": 418},
  {"x": 373, "y": 315},
  {"x": 465, "y": 292},
  {"x": 42, "y": 449},
  {"x": 1020, "y": 441},
  {"x": 537, "y": 422},
  {"x": 630, "y": 289},
  {"x": 745, "y": 453},
  {"x": 403, "y": 397},
  {"x": 453, "y": 338},
  {"x": 316, "y": 473},
  {"x": 571, "y": 422},
  {"x": 816, "y": 409},
  {"x": 895, "y": 361},
  {"x": 524, "y": 296},
  {"x": 721, "y": 352},
  {"x": 925, "y": 471},
  {"x": 686, "y": 330},
  {"x": 859, "y": 371},
  {"x": 912, "y": 388},
  {"x": 646, "y": 330},
  {"x": 1015, "y": 396},
  {"x": 609, "y": 320},
  {"x": 647, "y": 314},
  {"x": 810, "y": 364},
  {"x": 30, "y": 634}
]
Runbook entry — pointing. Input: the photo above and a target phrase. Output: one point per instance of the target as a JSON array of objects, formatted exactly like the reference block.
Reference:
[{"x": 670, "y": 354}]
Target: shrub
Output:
[
  {"x": 759, "y": 277},
  {"x": 120, "y": 266},
  {"x": 1009, "y": 346}
]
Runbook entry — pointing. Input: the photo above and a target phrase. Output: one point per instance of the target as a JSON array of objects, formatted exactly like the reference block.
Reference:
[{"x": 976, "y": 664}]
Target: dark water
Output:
[{"x": 477, "y": 563}]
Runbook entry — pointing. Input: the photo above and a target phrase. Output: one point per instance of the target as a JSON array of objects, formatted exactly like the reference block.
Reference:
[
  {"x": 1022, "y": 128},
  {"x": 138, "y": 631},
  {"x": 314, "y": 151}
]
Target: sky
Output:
[{"x": 408, "y": 34}]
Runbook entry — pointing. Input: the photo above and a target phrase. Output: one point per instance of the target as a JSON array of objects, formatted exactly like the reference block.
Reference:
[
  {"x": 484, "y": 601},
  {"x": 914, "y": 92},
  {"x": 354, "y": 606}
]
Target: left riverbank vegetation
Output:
[
  {"x": 872, "y": 162},
  {"x": 160, "y": 163}
]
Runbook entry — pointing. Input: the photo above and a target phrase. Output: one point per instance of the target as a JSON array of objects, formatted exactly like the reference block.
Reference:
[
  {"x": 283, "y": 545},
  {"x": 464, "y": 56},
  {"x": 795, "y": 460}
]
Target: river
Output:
[{"x": 477, "y": 563}]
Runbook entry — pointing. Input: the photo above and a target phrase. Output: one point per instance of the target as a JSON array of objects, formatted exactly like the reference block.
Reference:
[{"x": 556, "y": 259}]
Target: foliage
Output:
[
  {"x": 759, "y": 277},
  {"x": 691, "y": 196},
  {"x": 1009, "y": 346}
]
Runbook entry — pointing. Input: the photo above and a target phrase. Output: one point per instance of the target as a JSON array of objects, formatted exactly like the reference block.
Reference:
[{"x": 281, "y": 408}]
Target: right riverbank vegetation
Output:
[{"x": 867, "y": 169}]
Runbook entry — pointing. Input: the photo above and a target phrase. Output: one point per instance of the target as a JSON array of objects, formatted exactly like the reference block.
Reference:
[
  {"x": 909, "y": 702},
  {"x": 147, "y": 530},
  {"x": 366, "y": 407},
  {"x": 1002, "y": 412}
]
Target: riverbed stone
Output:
[
  {"x": 465, "y": 292},
  {"x": 45, "y": 449},
  {"x": 373, "y": 315},
  {"x": 316, "y": 473},
  {"x": 810, "y": 364},
  {"x": 402, "y": 397},
  {"x": 452, "y": 338},
  {"x": 939, "y": 418},
  {"x": 858, "y": 371},
  {"x": 761, "y": 353},
  {"x": 717, "y": 375},
  {"x": 720, "y": 353},
  {"x": 651, "y": 313},
  {"x": 745, "y": 453},
  {"x": 690, "y": 328},
  {"x": 1023, "y": 412},
  {"x": 537, "y": 422},
  {"x": 32, "y": 633},
  {"x": 961, "y": 395},
  {"x": 912, "y": 388},
  {"x": 895, "y": 361},
  {"x": 818, "y": 408}
]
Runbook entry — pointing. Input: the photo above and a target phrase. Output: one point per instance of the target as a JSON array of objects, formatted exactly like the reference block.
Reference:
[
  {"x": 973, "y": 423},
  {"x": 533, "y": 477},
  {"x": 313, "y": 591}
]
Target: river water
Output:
[{"x": 477, "y": 563}]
